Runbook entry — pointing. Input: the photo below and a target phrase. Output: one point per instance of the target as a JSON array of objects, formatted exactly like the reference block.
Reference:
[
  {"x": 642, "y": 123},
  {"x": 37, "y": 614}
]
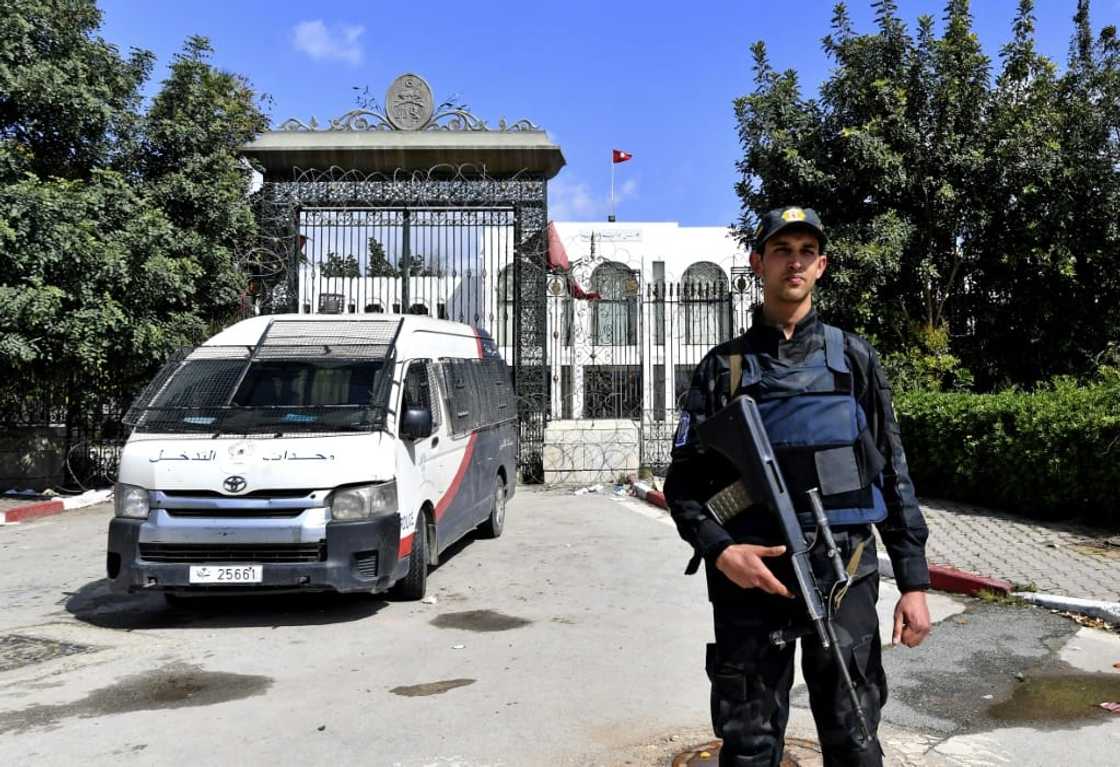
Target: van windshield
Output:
[{"x": 271, "y": 395}]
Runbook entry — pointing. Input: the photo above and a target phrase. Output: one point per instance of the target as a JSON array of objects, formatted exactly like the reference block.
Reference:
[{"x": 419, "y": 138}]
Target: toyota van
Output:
[{"x": 314, "y": 452}]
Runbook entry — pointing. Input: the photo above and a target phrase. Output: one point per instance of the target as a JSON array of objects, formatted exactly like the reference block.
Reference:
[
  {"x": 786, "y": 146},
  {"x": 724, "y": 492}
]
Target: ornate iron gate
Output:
[
  {"x": 453, "y": 228},
  {"x": 450, "y": 243}
]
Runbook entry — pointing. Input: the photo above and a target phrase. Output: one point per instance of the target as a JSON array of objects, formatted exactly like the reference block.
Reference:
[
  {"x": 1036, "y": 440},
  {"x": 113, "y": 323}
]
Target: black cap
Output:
[{"x": 781, "y": 219}]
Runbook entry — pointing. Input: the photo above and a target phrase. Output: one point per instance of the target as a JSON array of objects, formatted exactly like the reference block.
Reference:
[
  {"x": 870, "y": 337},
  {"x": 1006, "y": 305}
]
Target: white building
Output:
[
  {"x": 638, "y": 307},
  {"x": 667, "y": 295}
]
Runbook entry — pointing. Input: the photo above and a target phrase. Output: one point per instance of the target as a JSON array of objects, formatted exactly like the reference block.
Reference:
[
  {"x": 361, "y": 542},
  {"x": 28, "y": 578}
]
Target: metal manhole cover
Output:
[
  {"x": 798, "y": 752},
  {"x": 17, "y": 651}
]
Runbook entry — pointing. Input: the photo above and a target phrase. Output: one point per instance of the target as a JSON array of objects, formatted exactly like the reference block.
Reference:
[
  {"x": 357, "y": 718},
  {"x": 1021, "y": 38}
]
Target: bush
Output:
[{"x": 1051, "y": 454}]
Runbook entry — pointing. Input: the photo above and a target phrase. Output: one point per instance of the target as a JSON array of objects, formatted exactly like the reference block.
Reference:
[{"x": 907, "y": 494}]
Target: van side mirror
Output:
[{"x": 416, "y": 423}]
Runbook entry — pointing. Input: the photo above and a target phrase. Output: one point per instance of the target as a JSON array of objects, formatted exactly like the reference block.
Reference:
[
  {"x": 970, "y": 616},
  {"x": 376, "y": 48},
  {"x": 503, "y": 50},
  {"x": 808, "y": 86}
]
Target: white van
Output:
[{"x": 316, "y": 452}]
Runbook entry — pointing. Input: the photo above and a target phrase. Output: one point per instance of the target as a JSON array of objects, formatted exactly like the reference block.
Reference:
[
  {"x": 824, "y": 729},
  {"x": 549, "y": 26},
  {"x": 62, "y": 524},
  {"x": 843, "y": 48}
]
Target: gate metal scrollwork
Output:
[{"x": 449, "y": 242}]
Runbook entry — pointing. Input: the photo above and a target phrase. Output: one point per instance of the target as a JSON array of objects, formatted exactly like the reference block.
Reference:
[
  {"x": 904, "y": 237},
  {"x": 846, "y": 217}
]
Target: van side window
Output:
[
  {"x": 417, "y": 390},
  {"x": 478, "y": 393},
  {"x": 498, "y": 374},
  {"x": 433, "y": 396},
  {"x": 454, "y": 392}
]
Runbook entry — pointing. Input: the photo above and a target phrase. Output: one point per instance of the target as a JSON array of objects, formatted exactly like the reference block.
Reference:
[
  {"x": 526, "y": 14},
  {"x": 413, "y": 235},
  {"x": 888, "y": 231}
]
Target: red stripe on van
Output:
[
  {"x": 481, "y": 351},
  {"x": 441, "y": 508},
  {"x": 464, "y": 464}
]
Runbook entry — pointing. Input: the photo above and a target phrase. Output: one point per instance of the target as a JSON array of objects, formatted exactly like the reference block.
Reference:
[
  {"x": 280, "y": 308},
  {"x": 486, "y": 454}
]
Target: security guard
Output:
[{"x": 822, "y": 393}]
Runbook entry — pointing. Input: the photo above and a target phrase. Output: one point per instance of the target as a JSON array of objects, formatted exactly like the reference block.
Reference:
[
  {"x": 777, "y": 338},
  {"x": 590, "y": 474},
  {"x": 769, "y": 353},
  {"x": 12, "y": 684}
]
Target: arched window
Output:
[
  {"x": 503, "y": 329},
  {"x": 615, "y": 318},
  {"x": 705, "y": 293}
]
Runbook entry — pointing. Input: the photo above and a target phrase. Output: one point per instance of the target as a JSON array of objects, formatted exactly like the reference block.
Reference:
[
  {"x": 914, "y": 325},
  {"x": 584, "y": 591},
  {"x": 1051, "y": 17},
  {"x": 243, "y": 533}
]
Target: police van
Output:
[{"x": 315, "y": 452}]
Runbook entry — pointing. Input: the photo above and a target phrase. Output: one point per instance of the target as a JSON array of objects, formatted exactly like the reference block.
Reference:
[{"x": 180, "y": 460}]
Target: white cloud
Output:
[
  {"x": 338, "y": 41},
  {"x": 572, "y": 200}
]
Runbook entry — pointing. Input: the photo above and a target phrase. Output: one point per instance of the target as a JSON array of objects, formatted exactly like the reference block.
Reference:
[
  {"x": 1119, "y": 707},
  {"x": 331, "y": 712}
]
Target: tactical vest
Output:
[{"x": 819, "y": 432}]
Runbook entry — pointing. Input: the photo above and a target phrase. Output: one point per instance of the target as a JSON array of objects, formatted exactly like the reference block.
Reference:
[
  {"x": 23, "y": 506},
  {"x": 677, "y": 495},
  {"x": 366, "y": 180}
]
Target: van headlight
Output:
[
  {"x": 130, "y": 501},
  {"x": 364, "y": 502}
]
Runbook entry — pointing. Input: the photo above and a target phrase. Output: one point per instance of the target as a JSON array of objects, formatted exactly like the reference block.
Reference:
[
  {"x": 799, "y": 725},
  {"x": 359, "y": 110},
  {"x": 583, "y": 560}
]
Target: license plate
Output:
[{"x": 223, "y": 574}]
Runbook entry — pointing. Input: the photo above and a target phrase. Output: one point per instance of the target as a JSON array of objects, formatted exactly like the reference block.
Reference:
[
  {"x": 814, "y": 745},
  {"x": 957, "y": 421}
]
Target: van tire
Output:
[
  {"x": 496, "y": 522},
  {"x": 414, "y": 585}
]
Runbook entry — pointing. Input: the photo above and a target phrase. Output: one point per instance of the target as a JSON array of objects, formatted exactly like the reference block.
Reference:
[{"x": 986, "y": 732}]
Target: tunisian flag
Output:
[{"x": 617, "y": 156}]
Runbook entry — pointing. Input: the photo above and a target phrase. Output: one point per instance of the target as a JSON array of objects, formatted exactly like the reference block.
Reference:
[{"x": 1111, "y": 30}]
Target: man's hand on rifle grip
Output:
[
  {"x": 911, "y": 619},
  {"x": 742, "y": 564}
]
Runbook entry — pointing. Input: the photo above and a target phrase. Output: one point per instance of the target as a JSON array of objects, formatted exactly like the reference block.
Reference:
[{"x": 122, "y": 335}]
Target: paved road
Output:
[{"x": 573, "y": 639}]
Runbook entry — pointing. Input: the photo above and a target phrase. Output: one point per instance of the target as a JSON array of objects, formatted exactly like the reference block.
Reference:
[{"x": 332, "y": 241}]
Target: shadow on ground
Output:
[{"x": 97, "y": 605}]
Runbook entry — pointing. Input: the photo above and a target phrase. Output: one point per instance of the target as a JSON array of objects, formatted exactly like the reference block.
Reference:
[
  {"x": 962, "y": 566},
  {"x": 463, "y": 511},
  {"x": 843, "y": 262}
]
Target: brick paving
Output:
[{"x": 1064, "y": 559}]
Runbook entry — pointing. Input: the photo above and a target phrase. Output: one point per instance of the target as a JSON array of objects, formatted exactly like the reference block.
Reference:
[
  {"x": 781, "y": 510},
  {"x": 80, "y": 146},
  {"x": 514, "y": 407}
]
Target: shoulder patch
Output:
[{"x": 682, "y": 430}]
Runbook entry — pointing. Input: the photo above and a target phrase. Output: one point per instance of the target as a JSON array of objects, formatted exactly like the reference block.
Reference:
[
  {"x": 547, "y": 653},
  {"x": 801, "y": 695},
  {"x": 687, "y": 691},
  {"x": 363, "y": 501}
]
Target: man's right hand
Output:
[{"x": 742, "y": 564}]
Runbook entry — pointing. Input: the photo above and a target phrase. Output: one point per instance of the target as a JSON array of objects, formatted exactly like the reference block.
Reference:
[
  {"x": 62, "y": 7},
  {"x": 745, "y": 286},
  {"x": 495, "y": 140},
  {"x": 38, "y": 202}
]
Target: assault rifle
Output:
[{"x": 737, "y": 433}]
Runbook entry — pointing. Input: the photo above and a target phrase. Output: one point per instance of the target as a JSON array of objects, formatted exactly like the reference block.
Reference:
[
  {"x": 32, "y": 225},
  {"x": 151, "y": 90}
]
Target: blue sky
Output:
[{"x": 655, "y": 79}]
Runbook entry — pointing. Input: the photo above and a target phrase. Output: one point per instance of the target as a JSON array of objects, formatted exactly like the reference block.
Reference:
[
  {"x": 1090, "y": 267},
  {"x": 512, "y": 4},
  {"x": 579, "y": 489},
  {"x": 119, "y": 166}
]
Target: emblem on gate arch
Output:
[
  {"x": 408, "y": 102},
  {"x": 235, "y": 484}
]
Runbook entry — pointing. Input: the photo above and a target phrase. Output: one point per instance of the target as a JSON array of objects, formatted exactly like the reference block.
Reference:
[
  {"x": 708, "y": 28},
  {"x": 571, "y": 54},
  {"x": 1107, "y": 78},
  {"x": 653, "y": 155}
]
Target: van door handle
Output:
[{"x": 435, "y": 441}]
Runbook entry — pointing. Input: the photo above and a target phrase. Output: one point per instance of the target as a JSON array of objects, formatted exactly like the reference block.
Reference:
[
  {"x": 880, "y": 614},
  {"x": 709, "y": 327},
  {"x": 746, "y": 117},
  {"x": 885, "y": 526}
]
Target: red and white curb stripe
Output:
[
  {"x": 646, "y": 492},
  {"x": 31, "y": 511},
  {"x": 37, "y": 509}
]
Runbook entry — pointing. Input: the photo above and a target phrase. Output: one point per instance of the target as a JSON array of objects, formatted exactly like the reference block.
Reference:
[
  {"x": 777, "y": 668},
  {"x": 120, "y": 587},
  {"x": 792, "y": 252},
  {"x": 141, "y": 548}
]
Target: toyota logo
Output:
[{"x": 234, "y": 484}]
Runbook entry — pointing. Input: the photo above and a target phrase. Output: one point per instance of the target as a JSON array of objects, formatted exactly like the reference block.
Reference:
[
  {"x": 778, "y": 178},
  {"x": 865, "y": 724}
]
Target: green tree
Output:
[
  {"x": 1023, "y": 265},
  {"x": 379, "y": 265},
  {"x": 340, "y": 266},
  {"x": 1088, "y": 208},
  {"x": 971, "y": 221},
  {"x": 119, "y": 230},
  {"x": 191, "y": 167},
  {"x": 68, "y": 99}
]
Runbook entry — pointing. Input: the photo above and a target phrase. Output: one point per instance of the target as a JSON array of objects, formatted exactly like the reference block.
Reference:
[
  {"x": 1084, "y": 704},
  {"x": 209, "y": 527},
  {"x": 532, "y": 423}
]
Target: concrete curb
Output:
[
  {"x": 646, "y": 492},
  {"x": 37, "y": 509},
  {"x": 1106, "y": 611},
  {"x": 960, "y": 582},
  {"x": 31, "y": 511},
  {"x": 952, "y": 580}
]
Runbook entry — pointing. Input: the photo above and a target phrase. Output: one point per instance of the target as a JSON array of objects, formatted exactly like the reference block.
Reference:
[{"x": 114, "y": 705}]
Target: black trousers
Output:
[{"x": 751, "y": 679}]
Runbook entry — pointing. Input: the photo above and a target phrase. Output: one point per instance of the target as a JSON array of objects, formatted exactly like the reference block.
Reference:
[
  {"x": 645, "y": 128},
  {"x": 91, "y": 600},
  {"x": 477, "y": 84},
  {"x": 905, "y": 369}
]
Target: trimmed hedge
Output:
[{"x": 1050, "y": 454}]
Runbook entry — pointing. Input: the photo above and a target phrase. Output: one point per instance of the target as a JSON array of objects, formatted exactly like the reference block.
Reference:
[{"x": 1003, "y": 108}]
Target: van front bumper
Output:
[{"x": 351, "y": 556}]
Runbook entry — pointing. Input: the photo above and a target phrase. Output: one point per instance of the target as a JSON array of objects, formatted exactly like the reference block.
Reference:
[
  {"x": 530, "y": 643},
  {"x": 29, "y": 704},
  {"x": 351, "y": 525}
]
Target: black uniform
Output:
[{"x": 750, "y": 678}]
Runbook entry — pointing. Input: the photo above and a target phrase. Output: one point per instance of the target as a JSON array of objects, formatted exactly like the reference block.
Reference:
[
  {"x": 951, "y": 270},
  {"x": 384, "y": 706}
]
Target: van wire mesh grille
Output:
[{"x": 204, "y": 390}]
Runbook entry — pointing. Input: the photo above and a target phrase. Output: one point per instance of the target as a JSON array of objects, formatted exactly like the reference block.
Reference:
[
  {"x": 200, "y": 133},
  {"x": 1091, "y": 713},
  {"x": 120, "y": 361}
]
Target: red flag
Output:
[
  {"x": 557, "y": 256},
  {"x": 617, "y": 156}
]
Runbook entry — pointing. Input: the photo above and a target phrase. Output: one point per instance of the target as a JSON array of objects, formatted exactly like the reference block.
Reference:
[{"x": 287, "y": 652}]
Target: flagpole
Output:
[{"x": 611, "y": 217}]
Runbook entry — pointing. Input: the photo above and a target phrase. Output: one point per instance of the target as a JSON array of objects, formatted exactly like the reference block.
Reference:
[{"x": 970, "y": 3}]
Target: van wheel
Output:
[
  {"x": 492, "y": 527},
  {"x": 413, "y": 586}
]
